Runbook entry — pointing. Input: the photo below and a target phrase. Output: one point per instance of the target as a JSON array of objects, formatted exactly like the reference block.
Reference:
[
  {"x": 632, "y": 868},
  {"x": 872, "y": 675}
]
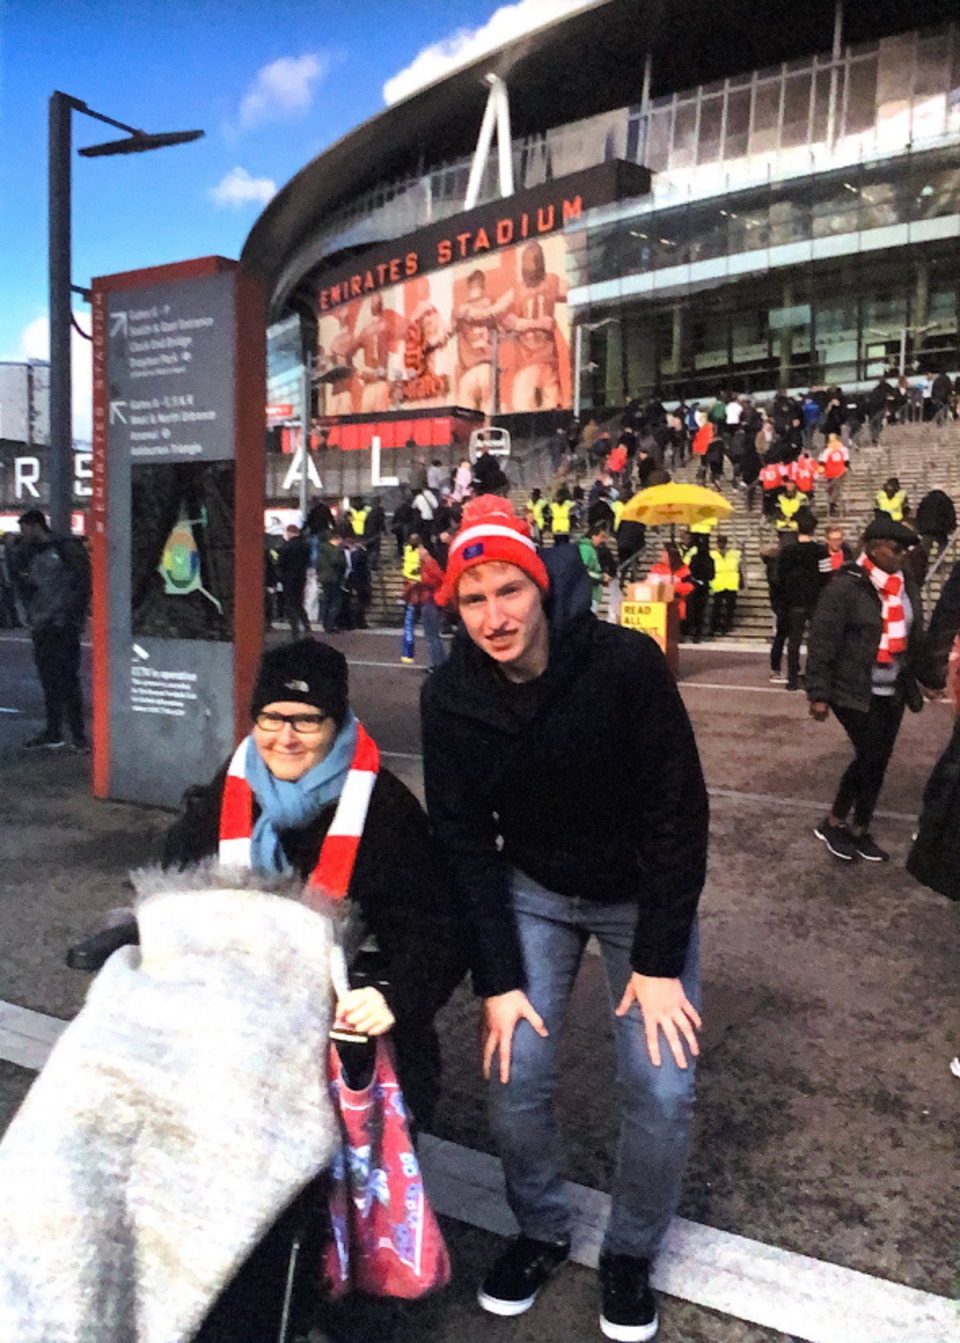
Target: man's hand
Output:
[
  {"x": 499, "y": 1021},
  {"x": 364, "y": 1010},
  {"x": 666, "y": 1008},
  {"x": 819, "y": 711}
]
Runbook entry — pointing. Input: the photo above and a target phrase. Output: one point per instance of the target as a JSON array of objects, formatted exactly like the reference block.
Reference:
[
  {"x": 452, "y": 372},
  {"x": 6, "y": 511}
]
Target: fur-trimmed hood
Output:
[{"x": 179, "y": 1113}]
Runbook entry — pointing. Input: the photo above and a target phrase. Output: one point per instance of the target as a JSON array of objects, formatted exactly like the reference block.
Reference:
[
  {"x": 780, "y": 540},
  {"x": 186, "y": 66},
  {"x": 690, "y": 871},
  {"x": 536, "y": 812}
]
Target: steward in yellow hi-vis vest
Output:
[
  {"x": 537, "y": 513},
  {"x": 358, "y": 517},
  {"x": 724, "y": 587},
  {"x": 892, "y": 500},
  {"x": 788, "y": 505},
  {"x": 561, "y": 511}
]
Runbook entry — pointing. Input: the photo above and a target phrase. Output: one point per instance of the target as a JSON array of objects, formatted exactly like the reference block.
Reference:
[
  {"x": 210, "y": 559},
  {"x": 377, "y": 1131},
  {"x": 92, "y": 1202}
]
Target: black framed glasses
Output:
[{"x": 303, "y": 724}]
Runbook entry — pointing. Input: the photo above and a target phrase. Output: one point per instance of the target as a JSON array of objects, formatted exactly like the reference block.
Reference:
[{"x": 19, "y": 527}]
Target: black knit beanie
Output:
[{"x": 306, "y": 672}]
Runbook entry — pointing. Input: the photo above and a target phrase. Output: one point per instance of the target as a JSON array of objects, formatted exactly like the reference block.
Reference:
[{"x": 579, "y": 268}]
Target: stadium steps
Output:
[{"x": 922, "y": 456}]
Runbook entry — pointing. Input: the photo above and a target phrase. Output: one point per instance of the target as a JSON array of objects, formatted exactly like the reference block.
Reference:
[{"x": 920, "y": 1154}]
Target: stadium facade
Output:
[{"x": 735, "y": 195}]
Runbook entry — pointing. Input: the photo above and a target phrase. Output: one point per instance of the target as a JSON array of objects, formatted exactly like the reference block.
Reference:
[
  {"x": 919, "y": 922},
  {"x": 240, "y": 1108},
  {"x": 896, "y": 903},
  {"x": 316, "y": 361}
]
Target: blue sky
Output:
[{"x": 272, "y": 84}]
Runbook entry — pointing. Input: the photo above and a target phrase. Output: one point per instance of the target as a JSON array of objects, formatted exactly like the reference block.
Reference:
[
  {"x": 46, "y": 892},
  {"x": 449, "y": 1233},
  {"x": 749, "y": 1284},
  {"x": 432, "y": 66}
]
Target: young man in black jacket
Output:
[
  {"x": 800, "y": 583},
  {"x": 564, "y": 784},
  {"x": 864, "y": 650}
]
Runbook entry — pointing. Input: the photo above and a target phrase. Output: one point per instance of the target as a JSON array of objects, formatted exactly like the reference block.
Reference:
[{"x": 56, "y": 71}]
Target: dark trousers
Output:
[
  {"x": 9, "y": 619},
  {"x": 721, "y": 615},
  {"x": 293, "y": 610},
  {"x": 781, "y": 615},
  {"x": 56, "y": 651},
  {"x": 332, "y": 604},
  {"x": 873, "y": 735},
  {"x": 696, "y": 611},
  {"x": 797, "y": 620}
]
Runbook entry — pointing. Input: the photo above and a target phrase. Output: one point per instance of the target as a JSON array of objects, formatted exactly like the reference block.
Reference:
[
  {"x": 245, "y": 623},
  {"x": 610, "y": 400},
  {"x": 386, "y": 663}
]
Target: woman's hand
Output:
[{"x": 364, "y": 1010}]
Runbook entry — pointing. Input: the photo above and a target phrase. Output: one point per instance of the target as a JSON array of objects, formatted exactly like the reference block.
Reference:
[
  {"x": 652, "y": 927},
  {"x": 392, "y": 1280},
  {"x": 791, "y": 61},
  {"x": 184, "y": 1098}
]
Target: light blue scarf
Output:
[{"x": 289, "y": 806}]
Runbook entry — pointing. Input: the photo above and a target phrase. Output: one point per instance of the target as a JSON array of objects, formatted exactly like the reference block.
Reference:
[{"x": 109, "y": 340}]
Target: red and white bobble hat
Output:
[{"x": 491, "y": 531}]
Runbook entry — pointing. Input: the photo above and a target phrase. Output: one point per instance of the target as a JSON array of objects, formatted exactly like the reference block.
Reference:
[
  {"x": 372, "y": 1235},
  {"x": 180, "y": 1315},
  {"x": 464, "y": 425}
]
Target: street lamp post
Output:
[{"x": 62, "y": 106}]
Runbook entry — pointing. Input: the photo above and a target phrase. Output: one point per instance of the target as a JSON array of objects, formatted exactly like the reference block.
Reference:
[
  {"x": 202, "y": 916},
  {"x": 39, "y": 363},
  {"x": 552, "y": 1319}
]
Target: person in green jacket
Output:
[{"x": 588, "y": 546}]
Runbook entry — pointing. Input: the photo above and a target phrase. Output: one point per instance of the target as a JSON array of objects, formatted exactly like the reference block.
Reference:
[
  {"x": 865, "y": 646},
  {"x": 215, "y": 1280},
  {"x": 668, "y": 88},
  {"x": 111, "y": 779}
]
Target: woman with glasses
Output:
[{"x": 305, "y": 795}]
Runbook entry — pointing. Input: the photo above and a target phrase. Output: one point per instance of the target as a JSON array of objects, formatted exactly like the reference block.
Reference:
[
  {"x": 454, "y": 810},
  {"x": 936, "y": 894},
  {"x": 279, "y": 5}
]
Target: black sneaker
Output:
[
  {"x": 81, "y": 747},
  {"x": 43, "y": 741},
  {"x": 513, "y": 1282},
  {"x": 869, "y": 849},
  {"x": 838, "y": 840},
  {"x": 629, "y": 1312}
]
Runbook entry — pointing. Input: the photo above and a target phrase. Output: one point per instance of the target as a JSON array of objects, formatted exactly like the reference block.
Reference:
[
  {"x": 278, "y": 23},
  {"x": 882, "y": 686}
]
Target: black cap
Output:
[
  {"x": 306, "y": 672},
  {"x": 885, "y": 529}
]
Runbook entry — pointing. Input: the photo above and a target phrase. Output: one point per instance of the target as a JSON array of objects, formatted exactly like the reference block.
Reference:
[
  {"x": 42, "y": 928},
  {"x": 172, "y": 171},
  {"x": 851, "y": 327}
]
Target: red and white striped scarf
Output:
[
  {"x": 890, "y": 587},
  {"x": 339, "y": 849}
]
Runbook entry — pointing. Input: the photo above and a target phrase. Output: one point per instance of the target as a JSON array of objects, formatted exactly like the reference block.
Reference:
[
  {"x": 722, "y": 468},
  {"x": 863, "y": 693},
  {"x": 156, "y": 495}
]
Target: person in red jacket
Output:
[
  {"x": 772, "y": 478},
  {"x": 670, "y": 565},
  {"x": 803, "y": 472},
  {"x": 834, "y": 463}
]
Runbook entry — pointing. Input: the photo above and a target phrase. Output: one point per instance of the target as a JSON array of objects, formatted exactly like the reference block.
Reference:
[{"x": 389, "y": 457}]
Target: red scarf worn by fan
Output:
[
  {"x": 339, "y": 849},
  {"x": 890, "y": 587}
]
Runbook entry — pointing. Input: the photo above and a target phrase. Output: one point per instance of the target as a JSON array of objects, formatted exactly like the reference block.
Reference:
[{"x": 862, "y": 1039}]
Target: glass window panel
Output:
[
  {"x": 861, "y": 97},
  {"x": 738, "y": 124},
  {"x": 796, "y": 111},
  {"x": 658, "y": 140},
  {"x": 711, "y": 126},
  {"x": 838, "y": 212},
  {"x": 895, "y": 69},
  {"x": 789, "y": 222},
  {"x": 766, "y": 114},
  {"x": 708, "y": 234},
  {"x": 880, "y": 205},
  {"x": 933, "y": 62},
  {"x": 936, "y": 194},
  {"x": 668, "y": 242},
  {"x": 683, "y": 154},
  {"x": 821, "y": 107},
  {"x": 748, "y": 229}
]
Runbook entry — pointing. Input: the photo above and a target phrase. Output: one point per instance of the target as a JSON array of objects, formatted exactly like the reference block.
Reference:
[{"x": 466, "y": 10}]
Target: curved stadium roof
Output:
[{"x": 584, "y": 64}]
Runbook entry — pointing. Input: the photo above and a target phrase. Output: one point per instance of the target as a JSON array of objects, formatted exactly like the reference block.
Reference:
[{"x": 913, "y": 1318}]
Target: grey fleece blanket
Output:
[{"x": 179, "y": 1113}]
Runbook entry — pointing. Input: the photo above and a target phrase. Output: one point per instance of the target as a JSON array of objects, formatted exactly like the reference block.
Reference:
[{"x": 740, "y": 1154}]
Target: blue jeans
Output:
[
  {"x": 655, "y": 1104},
  {"x": 430, "y": 614}
]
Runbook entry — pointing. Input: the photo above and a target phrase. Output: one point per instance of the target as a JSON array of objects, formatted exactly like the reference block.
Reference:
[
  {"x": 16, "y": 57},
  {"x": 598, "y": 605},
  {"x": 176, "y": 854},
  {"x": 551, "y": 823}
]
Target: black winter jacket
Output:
[
  {"x": 400, "y": 889},
  {"x": 594, "y": 790},
  {"x": 844, "y": 637}
]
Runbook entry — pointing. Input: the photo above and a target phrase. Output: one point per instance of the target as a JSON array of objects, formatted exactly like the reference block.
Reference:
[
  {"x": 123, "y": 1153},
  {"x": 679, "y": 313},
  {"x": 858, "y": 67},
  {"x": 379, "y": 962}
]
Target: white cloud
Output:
[
  {"x": 238, "y": 189},
  {"x": 283, "y": 89},
  {"x": 469, "y": 44},
  {"x": 35, "y": 344}
]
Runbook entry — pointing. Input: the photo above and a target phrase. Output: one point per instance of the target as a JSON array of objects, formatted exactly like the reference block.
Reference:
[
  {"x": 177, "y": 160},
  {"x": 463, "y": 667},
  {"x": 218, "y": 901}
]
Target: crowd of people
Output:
[{"x": 500, "y": 876}]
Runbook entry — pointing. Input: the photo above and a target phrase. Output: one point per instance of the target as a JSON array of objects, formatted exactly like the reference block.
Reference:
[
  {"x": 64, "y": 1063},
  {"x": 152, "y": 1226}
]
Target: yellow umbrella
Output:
[{"x": 665, "y": 505}]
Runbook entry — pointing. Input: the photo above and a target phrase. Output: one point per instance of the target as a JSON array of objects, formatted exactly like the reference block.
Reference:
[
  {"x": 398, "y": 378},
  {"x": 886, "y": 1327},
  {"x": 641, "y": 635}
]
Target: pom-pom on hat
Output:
[
  {"x": 490, "y": 530},
  {"x": 306, "y": 672}
]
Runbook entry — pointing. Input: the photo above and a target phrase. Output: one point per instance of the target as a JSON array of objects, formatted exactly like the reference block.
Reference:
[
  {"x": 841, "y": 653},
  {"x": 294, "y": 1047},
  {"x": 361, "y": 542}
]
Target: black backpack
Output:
[{"x": 76, "y": 562}]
